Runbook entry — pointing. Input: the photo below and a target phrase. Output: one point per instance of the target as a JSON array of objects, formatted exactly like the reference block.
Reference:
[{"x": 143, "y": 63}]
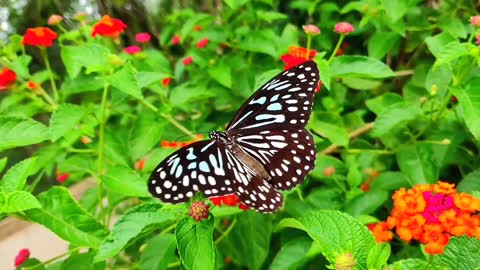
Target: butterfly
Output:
[{"x": 265, "y": 148}]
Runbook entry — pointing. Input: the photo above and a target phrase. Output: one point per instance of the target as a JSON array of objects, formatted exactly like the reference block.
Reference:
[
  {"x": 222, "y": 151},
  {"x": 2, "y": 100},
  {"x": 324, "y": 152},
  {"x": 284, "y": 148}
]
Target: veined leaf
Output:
[
  {"x": 18, "y": 131},
  {"x": 64, "y": 119},
  {"x": 195, "y": 243}
]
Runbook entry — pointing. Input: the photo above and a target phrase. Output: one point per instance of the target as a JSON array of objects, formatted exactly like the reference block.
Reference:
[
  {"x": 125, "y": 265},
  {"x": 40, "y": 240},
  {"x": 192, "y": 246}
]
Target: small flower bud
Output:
[
  {"x": 344, "y": 28},
  {"x": 22, "y": 256},
  {"x": 311, "y": 30},
  {"x": 434, "y": 90},
  {"x": 54, "y": 19},
  {"x": 446, "y": 141},
  {"x": 202, "y": 43},
  {"x": 423, "y": 99},
  {"x": 142, "y": 37},
  {"x": 475, "y": 20},
  {"x": 175, "y": 40},
  {"x": 329, "y": 171},
  {"x": 345, "y": 262},
  {"x": 132, "y": 49},
  {"x": 187, "y": 60},
  {"x": 199, "y": 211}
]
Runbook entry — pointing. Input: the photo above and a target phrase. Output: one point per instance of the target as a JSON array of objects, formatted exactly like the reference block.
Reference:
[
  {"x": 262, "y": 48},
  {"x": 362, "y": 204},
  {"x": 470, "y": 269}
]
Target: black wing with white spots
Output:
[{"x": 265, "y": 148}]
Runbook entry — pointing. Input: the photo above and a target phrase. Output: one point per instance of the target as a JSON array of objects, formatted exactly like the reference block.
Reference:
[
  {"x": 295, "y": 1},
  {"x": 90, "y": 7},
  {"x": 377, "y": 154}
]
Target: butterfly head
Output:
[{"x": 220, "y": 137}]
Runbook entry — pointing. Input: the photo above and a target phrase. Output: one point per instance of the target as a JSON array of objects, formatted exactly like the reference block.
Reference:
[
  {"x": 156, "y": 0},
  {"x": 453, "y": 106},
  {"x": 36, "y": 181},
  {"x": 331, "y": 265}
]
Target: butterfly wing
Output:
[
  {"x": 197, "y": 167},
  {"x": 286, "y": 100},
  {"x": 287, "y": 155}
]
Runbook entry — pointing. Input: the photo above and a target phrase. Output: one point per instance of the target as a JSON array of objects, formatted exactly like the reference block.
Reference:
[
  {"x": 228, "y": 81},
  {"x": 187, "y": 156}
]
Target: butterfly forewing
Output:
[
  {"x": 200, "y": 166},
  {"x": 287, "y": 155},
  {"x": 285, "y": 101}
]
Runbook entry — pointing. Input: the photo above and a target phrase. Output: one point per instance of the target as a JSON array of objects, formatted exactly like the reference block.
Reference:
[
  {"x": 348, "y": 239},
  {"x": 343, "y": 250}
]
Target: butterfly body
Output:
[{"x": 265, "y": 148}]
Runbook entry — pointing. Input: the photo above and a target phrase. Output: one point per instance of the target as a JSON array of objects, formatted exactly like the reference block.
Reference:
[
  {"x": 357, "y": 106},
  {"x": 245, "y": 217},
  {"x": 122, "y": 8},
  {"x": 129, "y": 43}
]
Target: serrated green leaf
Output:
[
  {"x": 20, "y": 65},
  {"x": 16, "y": 176},
  {"x": 64, "y": 119},
  {"x": 260, "y": 42},
  {"x": 18, "y": 201},
  {"x": 81, "y": 84},
  {"x": 470, "y": 182},
  {"x": 146, "y": 134},
  {"x": 291, "y": 255},
  {"x": 450, "y": 52},
  {"x": 125, "y": 81},
  {"x": 338, "y": 233},
  {"x": 417, "y": 163},
  {"x": 18, "y": 131},
  {"x": 381, "y": 43},
  {"x": 63, "y": 216},
  {"x": 395, "y": 116},
  {"x": 159, "y": 251},
  {"x": 130, "y": 225},
  {"x": 436, "y": 43},
  {"x": 469, "y": 100},
  {"x": 249, "y": 245},
  {"x": 325, "y": 74},
  {"x": 378, "y": 256},
  {"x": 395, "y": 9},
  {"x": 381, "y": 103},
  {"x": 460, "y": 253},
  {"x": 125, "y": 181},
  {"x": 147, "y": 78},
  {"x": 359, "y": 66},
  {"x": 330, "y": 126},
  {"x": 195, "y": 243},
  {"x": 289, "y": 223},
  {"x": 81, "y": 261},
  {"x": 222, "y": 74},
  {"x": 410, "y": 264},
  {"x": 93, "y": 57},
  {"x": 77, "y": 163}
]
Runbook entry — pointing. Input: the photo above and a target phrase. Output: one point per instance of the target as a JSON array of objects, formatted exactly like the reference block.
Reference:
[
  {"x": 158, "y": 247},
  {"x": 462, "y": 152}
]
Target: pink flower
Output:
[
  {"x": 478, "y": 40},
  {"x": 311, "y": 29},
  {"x": 187, "y": 60},
  {"x": 22, "y": 256},
  {"x": 475, "y": 20},
  {"x": 142, "y": 37},
  {"x": 132, "y": 49},
  {"x": 54, "y": 19},
  {"x": 202, "y": 43},
  {"x": 344, "y": 28},
  {"x": 176, "y": 40}
]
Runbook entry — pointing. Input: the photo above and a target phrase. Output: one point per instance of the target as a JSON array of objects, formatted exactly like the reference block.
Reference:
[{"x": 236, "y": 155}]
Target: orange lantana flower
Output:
[{"x": 108, "y": 27}]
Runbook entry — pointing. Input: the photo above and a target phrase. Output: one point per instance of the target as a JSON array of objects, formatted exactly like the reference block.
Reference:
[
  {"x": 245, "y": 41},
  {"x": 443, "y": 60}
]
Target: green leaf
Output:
[
  {"x": 81, "y": 84},
  {"x": 460, "y": 253},
  {"x": 381, "y": 103},
  {"x": 18, "y": 201},
  {"x": 260, "y": 42},
  {"x": 93, "y": 57},
  {"x": 18, "y": 131},
  {"x": 389, "y": 181},
  {"x": 20, "y": 65},
  {"x": 470, "y": 182},
  {"x": 469, "y": 100},
  {"x": 125, "y": 181},
  {"x": 270, "y": 16},
  {"x": 16, "y": 176},
  {"x": 125, "y": 81},
  {"x": 246, "y": 244},
  {"x": 289, "y": 223},
  {"x": 410, "y": 264},
  {"x": 195, "y": 243},
  {"x": 338, "y": 233},
  {"x": 325, "y": 74},
  {"x": 64, "y": 119},
  {"x": 361, "y": 83},
  {"x": 63, "y": 216},
  {"x": 291, "y": 255},
  {"x": 147, "y": 78},
  {"x": 330, "y": 126},
  {"x": 417, "y": 163},
  {"x": 235, "y": 4},
  {"x": 359, "y": 66},
  {"x": 381, "y": 43},
  {"x": 395, "y": 9},
  {"x": 436, "y": 43},
  {"x": 81, "y": 261},
  {"x": 366, "y": 203},
  {"x": 395, "y": 116},
  {"x": 159, "y": 251},
  {"x": 145, "y": 134},
  {"x": 222, "y": 74},
  {"x": 130, "y": 225},
  {"x": 450, "y": 52},
  {"x": 3, "y": 163},
  {"x": 378, "y": 256}
]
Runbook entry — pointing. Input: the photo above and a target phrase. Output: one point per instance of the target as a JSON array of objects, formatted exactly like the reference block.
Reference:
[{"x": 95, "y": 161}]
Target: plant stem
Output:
[
  {"x": 47, "y": 98},
  {"x": 168, "y": 229},
  {"x": 149, "y": 105},
  {"x": 357, "y": 132},
  {"x": 101, "y": 139},
  {"x": 178, "y": 125},
  {"x": 52, "y": 259},
  {"x": 43, "y": 51},
  {"x": 76, "y": 150},
  {"x": 340, "y": 41},
  {"x": 373, "y": 151},
  {"x": 174, "y": 264},
  {"x": 309, "y": 43},
  {"x": 226, "y": 233}
]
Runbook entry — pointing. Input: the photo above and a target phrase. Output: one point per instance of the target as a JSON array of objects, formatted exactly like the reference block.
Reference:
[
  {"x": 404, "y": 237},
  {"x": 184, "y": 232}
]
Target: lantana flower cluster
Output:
[{"x": 431, "y": 214}]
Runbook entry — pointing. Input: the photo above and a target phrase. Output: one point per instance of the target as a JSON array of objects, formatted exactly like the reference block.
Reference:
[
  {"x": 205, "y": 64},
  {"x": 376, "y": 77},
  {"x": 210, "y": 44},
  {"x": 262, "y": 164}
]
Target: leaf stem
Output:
[
  {"x": 340, "y": 41},
  {"x": 373, "y": 151},
  {"x": 101, "y": 142},
  {"x": 52, "y": 259},
  {"x": 43, "y": 51},
  {"x": 226, "y": 233},
  {"x": 174, "y": 122},
  {"x": 169, "y": 228},
  {"x": 357, "y": 132},
  {"x": 47, "y": 97}
]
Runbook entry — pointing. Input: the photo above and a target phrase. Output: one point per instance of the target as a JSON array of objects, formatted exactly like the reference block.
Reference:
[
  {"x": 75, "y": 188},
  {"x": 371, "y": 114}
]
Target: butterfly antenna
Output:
[{"x": 191, "y": 135}]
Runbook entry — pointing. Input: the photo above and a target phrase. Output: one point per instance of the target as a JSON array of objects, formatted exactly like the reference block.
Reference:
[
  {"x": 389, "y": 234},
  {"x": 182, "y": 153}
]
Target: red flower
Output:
[
  {"x": 32, "y": 85},
  {"x": 176, "y": 40},
  {"x": 297, "y": 55},
  {"x": 132, "y": 49},
  {"x": 39, "y": 36},
  {"x": 202, "y": 43},
  {"x": 142, "y": 37},
  {"x": 344, "y": 28},
  {"x": 230, "y": 200},
  {"x": 22, "y": 256},
  {"x": 140, "y": 164},
  {"x": 54, "y": 19},
  {"x": 197, "y": 28},
  {"x": 166, "y": 82},
  {"x": 108, "y": 27},
  {"x": 62, "y": 177},
  {"x": 7, "y": 77},
  {"x": 187, "y": 60}
]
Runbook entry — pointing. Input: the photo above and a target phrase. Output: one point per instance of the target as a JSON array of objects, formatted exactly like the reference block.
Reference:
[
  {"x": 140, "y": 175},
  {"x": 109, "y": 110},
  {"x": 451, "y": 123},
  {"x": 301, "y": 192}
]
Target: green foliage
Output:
[{"x": 398, "y": 106}]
